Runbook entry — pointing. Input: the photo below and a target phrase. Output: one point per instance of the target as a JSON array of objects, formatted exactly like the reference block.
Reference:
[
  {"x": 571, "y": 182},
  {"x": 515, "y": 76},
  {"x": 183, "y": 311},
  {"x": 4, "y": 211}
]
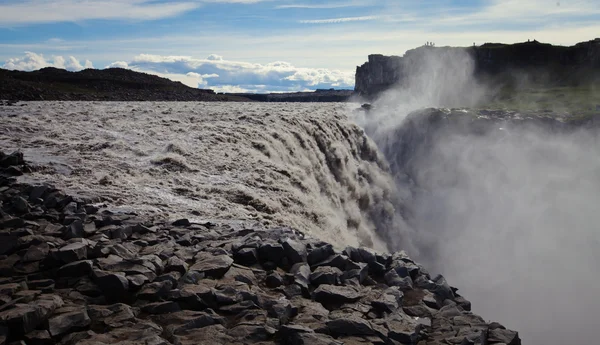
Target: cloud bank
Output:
[
  {"x": 32, "y": 61},
  {"x": 223, "y": 75},
  {"x": 214, "y": 72}
]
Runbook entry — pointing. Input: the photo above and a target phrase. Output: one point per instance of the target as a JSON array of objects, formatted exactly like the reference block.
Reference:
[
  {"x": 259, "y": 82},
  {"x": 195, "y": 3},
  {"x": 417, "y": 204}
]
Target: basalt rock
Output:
[{"x": 190, "y": 283}]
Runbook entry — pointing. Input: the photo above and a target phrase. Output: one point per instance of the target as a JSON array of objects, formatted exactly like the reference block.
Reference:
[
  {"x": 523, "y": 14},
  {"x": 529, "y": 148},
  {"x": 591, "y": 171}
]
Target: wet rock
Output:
[
  {"x": 8, "y": 243},
  {"x": 320, "y": 254},
  {"x": 326, "y": 275},
  {"x": 121, "y": 232},
  {"x": 11, "y": 288},
  {"x": 393, "y": 279},
  {"x": 38, "y": 192},
  {"x": 389, "y": 300},
  {"x": 463, "y": 303},
  {"x": 39, "y": 337},
  {"x": 211, "y": 265},
  {"x": 110, "y": 316},
  {"x": 295, "y": 251},
  {"x": 67, "y": 322},
  {"x": 192, "y": 277},
  {"x": 301, "y": 275},
  {"x": 418, "y": 310},
  {"x": 505, "y": 336},
  {"x": 74, "y": 230},
  {"x": 438, "y": 285},
  {"x": 251, "y": 333},
  {"x": 76, "y": 269},
  {"x": 350, "y": 325},
  {"x": 172, "y": 276},
  {"x": 155, "y": 291},
  {"x": 193, "y": 297},
  {"x": 20, "y": 205},
  {"x": 36, "y": 253},
  {"x": 176, "y": 264},
  {"x": 293, "y": 290},
  {"x": 137, "y": 280},
  {"x": 179, "y": 322},
  {"x": 24, "y": 318},
  {"x": 72, "y": 252},
  {"x": 271, "y": 252},
  {"x": 339, "y": 261},
  {"x": 12, "y": 223},
  {"x": 161, "y": 307},
  {"x": 114, "y": 286},
  {"x": 120, "y": 251},
  {"x": 214, "y": 334},
  {"x": 88, "y": 288},
  {"x": 246, "y": 256},
  {"x": 241, "y": 275},
  {"x": 181, "y": 222},
  {"x": 359, "y": 273},
  {"x": 21, "y": 319},
  {"x": 327, "y": 294},
  {"x": 274, "y": 280},
  {"x": 402, "y": 330}
]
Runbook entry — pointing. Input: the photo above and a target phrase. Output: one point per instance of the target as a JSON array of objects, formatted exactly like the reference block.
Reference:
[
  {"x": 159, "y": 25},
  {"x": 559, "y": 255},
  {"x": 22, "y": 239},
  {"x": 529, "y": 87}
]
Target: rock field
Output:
[{"x": 71, "y": 272}]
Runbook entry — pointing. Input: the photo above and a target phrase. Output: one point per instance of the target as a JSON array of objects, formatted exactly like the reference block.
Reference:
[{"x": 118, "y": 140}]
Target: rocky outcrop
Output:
[
  {"x": 75, "y": 273},
  {"x": 113, "y": 84},
  {"x": 543, "y": 63}
]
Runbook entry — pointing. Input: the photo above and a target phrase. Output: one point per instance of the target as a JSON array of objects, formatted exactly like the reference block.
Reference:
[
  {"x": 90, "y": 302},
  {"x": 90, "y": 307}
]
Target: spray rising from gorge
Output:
[{"x": 503, "y": 202}]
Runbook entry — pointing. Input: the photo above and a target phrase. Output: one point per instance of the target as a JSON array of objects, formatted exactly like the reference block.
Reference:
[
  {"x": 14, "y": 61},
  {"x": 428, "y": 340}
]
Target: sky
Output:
[{"x": 269, "y": 45}]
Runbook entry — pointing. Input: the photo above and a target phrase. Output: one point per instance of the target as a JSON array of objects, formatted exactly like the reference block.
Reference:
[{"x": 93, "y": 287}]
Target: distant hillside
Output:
[
  {"x": 113, "y": 84},
  {"x": 320, "y": 95},
  {"x": 512, "y": 65}
]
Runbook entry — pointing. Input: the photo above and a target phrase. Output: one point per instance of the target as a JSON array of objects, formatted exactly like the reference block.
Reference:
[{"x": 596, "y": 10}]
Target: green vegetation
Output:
[{"x": 569, "y": 102}]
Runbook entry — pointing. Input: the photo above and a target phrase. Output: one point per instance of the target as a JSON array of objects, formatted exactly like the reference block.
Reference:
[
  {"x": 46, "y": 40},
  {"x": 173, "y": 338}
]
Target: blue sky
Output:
[{"x": 268, "y": 45}]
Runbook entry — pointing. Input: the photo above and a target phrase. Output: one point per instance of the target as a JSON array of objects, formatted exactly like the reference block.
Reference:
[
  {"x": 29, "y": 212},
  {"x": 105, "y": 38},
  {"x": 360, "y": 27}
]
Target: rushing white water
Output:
[{"x": 299, "y": 165}]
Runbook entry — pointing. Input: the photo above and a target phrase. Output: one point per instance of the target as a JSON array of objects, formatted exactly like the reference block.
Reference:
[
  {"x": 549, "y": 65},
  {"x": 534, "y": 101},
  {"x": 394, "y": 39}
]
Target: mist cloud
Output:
[{"x": 510, "y": 216}]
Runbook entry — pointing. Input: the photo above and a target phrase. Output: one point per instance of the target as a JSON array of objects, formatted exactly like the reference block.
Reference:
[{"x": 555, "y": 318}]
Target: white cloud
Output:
[
  {"x": 220, "y": 74},
  {"x": 190, "y": 79},
  {"x": 118, "y": 64},
  {"x": 338, "y": 20},
  {"x": 48, "y": 11},
  {"x": 32, "y": 61},
  {"x": 358, "y": 3},
  {"x": 215, "y": 57}
]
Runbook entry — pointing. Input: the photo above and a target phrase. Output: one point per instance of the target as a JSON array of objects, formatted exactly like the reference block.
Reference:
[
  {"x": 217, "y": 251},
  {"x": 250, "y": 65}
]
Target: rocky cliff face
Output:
[{"x": 542, "y": 62}]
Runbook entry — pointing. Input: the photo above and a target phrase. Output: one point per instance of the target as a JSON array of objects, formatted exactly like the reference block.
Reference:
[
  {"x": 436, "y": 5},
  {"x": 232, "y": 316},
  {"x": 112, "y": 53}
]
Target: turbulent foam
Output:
[{"x": 301, "y": 165}]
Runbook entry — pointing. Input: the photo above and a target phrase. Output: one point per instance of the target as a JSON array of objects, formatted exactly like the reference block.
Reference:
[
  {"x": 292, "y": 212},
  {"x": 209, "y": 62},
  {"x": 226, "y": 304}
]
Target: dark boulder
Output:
[
  {"x": 328, "y": 294},
  {"x": 114, "y": 286},
  {"x": 211, "y": 265},
  {"x": 76, "y": 269},
  {"x": 68, "y": 322},
  {"x": 326, "y": 275},
  {"x": 320, "y": 254},
  {"x": 295, "y": 251},
  {"x": 350, "y": 325}
]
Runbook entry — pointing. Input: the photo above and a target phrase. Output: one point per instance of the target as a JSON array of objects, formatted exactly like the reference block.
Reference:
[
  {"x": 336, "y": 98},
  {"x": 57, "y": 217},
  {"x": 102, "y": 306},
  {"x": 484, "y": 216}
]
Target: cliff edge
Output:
[{"x": 543, "y": 64}]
